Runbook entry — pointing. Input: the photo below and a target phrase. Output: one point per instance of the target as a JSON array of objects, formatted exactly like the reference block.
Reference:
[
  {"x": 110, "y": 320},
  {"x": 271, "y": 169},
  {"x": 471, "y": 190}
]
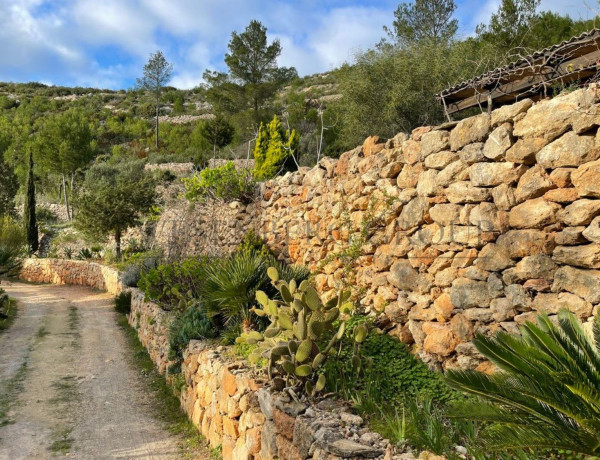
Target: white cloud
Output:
[{"x": 106, "y": 42}]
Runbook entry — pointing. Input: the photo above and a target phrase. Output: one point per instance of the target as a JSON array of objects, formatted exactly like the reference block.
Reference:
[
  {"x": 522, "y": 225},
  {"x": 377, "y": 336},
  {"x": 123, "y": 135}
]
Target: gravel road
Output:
[{"x": 67, "y": 385}]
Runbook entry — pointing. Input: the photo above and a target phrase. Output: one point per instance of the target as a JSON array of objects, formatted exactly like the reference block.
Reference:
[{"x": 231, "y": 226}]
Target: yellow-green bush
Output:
[{"x": 274, "y": 149}]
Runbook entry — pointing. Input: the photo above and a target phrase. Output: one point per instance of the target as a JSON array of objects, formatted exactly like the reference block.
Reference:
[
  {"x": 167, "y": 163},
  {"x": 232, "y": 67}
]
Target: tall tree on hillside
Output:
[
  {"x": 218, "y": 132},
  {"x": 157, "y": 72},
  {"x": 9, "y": 185},
  {"x": 254, "y": 75},
  {"x": 113, "y": 198},
  {"x": 64, "y": 144},
  {"x": 31, "y": 228},
  {"x": 509, "y": 25},
  {"x": 422, "y": 20}
]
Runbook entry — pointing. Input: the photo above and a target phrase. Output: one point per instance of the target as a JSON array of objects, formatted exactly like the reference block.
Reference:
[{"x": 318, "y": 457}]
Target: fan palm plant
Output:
[
  {"x": 546, "y": 393},
  {"x": 230, "y": 285}
]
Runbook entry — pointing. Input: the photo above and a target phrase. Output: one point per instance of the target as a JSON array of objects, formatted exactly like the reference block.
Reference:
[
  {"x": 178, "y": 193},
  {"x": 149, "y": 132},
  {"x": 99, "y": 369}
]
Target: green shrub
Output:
[
  {"x": 546, "y": 392},
  {"x": 12, "y": 245},
  {"x": 273, "y": 150},
  {"x": 224, "y": 183},
  {"x": 172, "y": 284},
  {"x": 391, "y": 373},
  {"x": 192, "y": 324},
  {"x": 133, "y": 266},
  {"x": 123, "y": 303}
]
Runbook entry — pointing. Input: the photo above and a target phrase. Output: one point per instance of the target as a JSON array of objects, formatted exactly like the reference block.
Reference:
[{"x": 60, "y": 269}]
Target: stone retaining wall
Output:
[
  {"x": 228, "y": 401},
  {"x": 469, "y": 227},
  {"x": 75, "y": 272}
]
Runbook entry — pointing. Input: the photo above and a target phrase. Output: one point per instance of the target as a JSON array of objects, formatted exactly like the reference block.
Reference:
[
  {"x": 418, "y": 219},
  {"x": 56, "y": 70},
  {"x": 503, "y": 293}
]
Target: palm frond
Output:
[{"x": 547, "y": 392}]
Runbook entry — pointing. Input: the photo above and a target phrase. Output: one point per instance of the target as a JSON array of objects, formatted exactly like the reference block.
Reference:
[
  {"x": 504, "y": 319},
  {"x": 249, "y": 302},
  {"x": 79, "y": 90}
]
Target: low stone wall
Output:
[
  {"x": 228, "y": 401},
  {"x": 75, "y": 272},
  {"x": 152, "y": 325}
]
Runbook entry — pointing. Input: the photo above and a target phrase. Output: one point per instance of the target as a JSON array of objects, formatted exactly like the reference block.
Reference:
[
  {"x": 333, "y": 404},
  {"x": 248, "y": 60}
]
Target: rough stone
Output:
[
  {"x": 551, "y": 118},
  {"x": 472, "y": 153},
  {"x": 522, "y": 243},
  {"x": 445, "y": 213},
  {"x": 509, "y": 112},
  {"x": 494, "y": 258},
  {"x": 413, "y": 213},
  {"x": 504, "y": 196},
  {"x": 568, "y": 150},
  {"x": 498, "y": 143},
  {"x": 439, "y": 338},
  {"x": 586, "y": 179},
  {"x": 525, "y": 150},
  {"x": 464, "y": 192},
  {"x": 533, "y": 184},
  {"x": 536, "y": 213},
  {"x": 584, "y": 283},
  {"x": 585, "y": 256},
  {"x": 440, "y": 160},
  {"x": 492, "y": 174},
  {"x": 592, "y": 231},
  {"x": 539, "y": 266},
  {"x": 571, "y": 236},
  {"x": 466, "y": 293},
  {"x": 469, "y": 130},
  {"x": 433, "y": 142},
  {"x": 551, "y": 304},
  {"x": 405, "y": 277},
  {"x": 580, "y": 212}
]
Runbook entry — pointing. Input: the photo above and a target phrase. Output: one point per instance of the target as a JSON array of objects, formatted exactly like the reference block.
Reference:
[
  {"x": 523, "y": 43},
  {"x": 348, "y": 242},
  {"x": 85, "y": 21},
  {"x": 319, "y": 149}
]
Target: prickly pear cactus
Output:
[{"x": 303, "y": 332}]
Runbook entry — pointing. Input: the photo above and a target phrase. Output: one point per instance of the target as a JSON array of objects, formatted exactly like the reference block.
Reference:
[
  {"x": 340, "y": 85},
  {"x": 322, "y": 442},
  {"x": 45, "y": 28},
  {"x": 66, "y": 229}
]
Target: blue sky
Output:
[{"x": 105, "y": 43}]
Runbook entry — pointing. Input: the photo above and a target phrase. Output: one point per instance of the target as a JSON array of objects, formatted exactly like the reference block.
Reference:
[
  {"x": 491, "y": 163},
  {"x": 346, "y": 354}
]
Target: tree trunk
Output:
[
  {"x": 118, "y": 243},
  {"x": 157, "y": 100},
  {"x": 64, "y": 185}
]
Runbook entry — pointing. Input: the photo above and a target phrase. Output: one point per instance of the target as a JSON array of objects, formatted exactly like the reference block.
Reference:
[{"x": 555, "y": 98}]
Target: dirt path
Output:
[{"x": 67, "y": 387}]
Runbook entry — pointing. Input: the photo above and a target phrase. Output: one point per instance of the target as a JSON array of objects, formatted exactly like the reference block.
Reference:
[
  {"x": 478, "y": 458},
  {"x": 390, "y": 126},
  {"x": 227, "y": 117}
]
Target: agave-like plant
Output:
[{"x": 546, "y": 393}]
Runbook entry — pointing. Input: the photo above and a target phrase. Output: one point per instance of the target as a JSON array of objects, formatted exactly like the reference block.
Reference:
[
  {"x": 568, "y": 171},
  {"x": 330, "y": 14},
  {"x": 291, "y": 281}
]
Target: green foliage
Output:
[
  {"x": 12, "y": 245},
  {"x": 29, "y": 217},
  {"x": 302, "y": 333},
  {"x": 10, "y": 186},
  {"x": 546, "y": 392},
  {"x": 391, "y": 372},
  {"x": 84, "y": 254},
  {"x": 114, "y": 198},
  {"x": 171, "y": 285},
  {"x": 253, "y": 63},
  {"x": 424, "y": 20},
  {"x": 157, "y": 72},
  {"x": 273, "y": 149},
  {"x": 65, "y": 142},
  {"x": 123, "y": 303},
  {"x": 218, "y": 132},
  {"x": 223, "y": 182},
  {"x": 192, "y": 324}
]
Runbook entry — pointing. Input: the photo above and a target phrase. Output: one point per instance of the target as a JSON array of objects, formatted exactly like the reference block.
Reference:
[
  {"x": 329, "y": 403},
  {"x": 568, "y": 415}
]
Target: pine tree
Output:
[
  {"x": 29, "y": 212},
  {"x": 157, "y": 72}
]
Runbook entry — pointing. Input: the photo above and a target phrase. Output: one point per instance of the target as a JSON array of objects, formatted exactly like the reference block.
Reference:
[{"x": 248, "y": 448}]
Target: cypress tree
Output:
[{"x": 29, "y": 212}]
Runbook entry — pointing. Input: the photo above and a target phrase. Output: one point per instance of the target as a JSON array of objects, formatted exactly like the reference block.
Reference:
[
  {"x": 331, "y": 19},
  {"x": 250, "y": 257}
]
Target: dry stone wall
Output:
[
  {"x": 74, "y": 272},
  {"x": 471, "y": 227}
]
